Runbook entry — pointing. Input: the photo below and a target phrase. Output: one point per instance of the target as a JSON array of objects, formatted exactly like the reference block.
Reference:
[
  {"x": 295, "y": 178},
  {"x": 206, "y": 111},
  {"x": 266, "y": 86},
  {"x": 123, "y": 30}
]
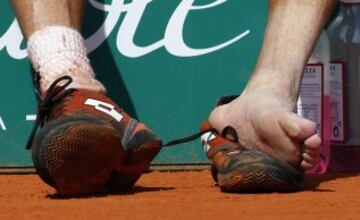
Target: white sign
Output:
[
  {"x": 337, "y": 102},
  {"x": 172, "y": 41},
  {"x": 309, "y": 105},
  {"x": 2, "y": 124}
]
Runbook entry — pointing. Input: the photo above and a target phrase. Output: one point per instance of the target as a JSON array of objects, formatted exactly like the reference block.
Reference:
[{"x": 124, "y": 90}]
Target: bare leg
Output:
[
  {"x": 34, "y": 15},
  {"x": 263, "y": 114},
  {"x": 76, "y": 9},
  {"x": 71, "y": 157}
]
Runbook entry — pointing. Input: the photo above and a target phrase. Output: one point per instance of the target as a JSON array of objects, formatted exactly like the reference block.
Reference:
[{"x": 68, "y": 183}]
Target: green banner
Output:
[{"x": 164, "y": 61}]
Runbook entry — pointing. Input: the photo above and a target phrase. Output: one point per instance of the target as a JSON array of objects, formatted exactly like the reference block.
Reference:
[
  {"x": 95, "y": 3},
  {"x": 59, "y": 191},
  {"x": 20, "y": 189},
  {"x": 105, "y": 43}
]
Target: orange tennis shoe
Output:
[
  {"x": 86, "y": 142},
  {"x": 237, "y": 169}
]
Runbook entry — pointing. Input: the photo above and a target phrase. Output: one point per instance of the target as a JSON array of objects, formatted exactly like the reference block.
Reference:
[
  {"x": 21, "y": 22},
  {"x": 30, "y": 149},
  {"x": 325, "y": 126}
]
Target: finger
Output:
[
  {"x": 306, "y": 165},
  {"x": 313, "y": 143},
  {"x": 297, "y": 127},
  {"x": 217, "y": 119},
  {"x": 285, "y": 147},
  {"x": 312, "y": 159}
]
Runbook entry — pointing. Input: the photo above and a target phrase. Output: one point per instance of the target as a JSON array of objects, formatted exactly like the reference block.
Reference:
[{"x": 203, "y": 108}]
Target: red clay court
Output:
[{"x": 183, "y": 195}]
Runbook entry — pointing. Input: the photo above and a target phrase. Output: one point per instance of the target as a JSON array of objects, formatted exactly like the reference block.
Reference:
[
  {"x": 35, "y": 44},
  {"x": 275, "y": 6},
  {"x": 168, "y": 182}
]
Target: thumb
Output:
[
  {"x": 218, "y": 121},
  {"x": 217, "y": 118}
]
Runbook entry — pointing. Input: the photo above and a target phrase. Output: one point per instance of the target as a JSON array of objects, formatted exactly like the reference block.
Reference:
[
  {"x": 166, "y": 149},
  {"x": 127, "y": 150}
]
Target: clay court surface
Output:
[{"x": 182, "y": 195}]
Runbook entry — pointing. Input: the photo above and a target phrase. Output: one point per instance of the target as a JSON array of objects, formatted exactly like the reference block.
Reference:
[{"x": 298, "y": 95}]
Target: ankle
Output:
[{"x": 57, "y": 51}]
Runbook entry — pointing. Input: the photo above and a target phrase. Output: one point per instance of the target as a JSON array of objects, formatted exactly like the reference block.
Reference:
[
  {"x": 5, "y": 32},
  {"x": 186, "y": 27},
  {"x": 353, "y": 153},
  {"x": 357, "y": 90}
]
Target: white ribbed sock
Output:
[{"x": 57, "y": 51}]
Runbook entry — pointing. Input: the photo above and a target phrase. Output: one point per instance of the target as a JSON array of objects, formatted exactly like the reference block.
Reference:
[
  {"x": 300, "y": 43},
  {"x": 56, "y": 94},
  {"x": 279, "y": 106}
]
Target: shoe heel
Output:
[{"x": 76, "y": 155}]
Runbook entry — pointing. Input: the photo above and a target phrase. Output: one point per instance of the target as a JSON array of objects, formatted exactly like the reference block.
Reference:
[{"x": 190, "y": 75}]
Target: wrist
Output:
[{"x": 274, "y": 82}]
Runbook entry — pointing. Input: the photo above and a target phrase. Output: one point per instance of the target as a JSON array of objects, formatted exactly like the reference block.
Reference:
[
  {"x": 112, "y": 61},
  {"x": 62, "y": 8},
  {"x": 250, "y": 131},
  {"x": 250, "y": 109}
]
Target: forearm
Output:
[{"x": 292, "y": 31}]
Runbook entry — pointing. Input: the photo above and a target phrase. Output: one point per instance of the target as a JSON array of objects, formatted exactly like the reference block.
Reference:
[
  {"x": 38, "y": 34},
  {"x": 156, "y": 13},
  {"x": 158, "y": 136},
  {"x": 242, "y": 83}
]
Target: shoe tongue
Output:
[
  {"x": 205, "y": 125},
  {"x": 213, "y": 143},
  {"x": 43, "y": 94}
]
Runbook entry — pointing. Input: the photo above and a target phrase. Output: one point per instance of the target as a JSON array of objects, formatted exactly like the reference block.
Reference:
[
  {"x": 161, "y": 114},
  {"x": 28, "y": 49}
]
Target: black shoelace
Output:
[
  {"x": 229, "y": 133},
  {"x": 188, "y": 138},
  {"x": 55, "y": 94}
]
